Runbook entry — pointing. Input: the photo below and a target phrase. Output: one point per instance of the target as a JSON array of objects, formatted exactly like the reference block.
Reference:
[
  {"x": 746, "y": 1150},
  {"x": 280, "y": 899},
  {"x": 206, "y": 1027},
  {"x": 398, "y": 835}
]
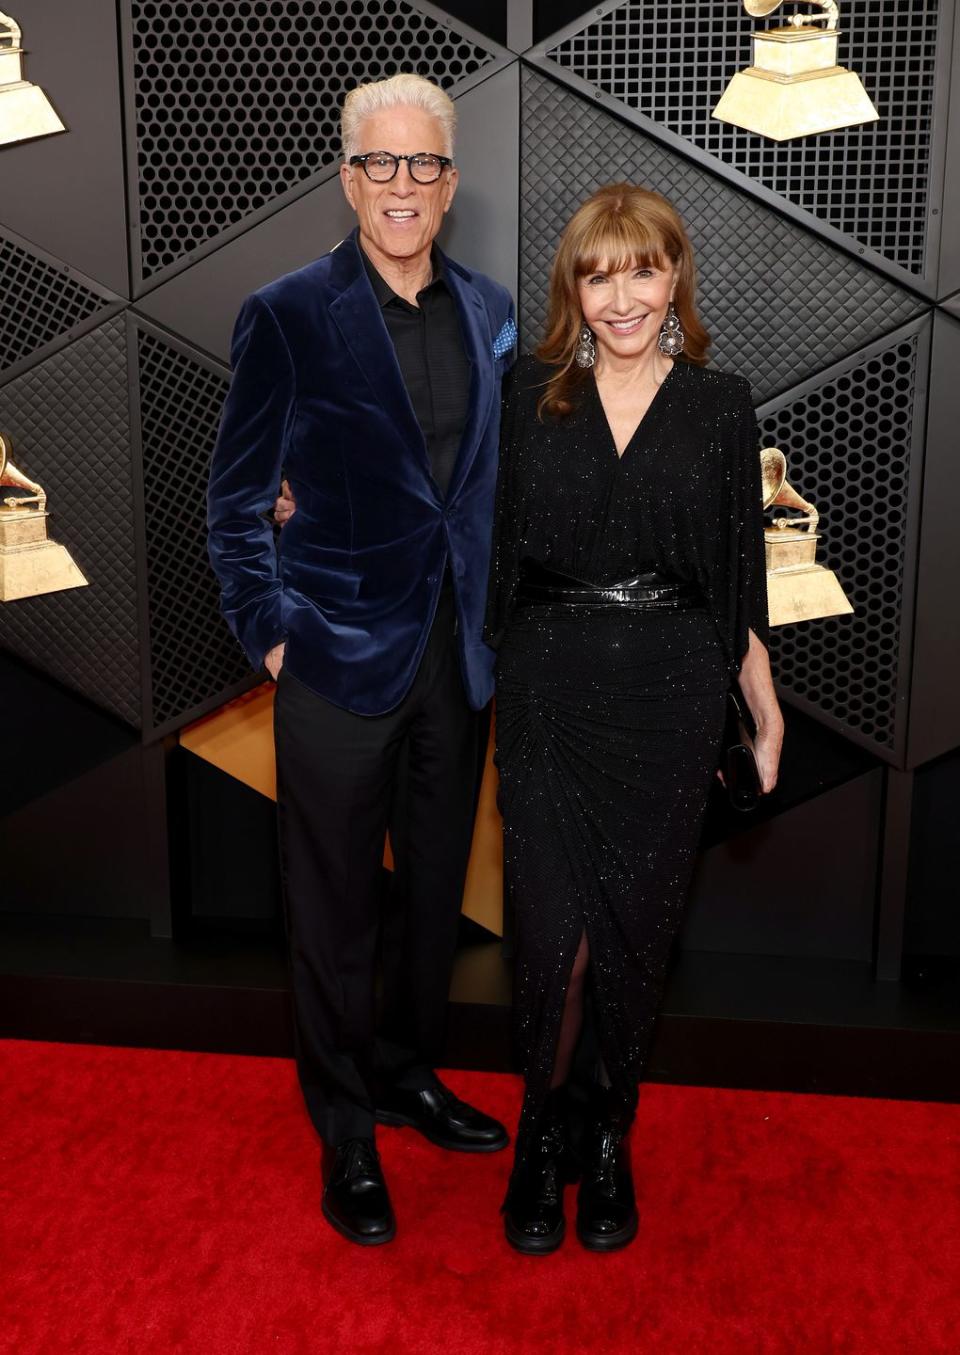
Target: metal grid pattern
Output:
[
  {"x": 672, "y": 59},
  {"x": 848, "y": 447},
  {"x": 193, "y": 656},
  {"x": 68, "y": 417},
  {"x": 38, "y": 303},
  {"x": 780, "y": 302},
  {"x": 237, "y": 101}
]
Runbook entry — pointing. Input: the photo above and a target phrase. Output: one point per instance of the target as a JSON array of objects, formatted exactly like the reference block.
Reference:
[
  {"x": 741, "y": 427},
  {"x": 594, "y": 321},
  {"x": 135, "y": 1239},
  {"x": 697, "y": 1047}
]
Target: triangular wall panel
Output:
[
  {"x": 41, "y": 301},
  {"x": 671, "y": 60},
  {"x": 779, "y": 302},
  {"x": 265, "y": 84},
  {"x": 853, "y": 437},
  {"x": 194, "y": 660},
  {"x": 201, "y": 302},
  {"x": 68, "y": 417},
  {"x": 66, "y": 193}
]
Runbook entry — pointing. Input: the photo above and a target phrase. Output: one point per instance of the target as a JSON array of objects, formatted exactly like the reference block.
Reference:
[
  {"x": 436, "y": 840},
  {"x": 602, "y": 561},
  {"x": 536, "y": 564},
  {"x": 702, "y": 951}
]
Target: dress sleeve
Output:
[
  {"x": 744, "y": 595},
  {"x": 507, "y": 517}
]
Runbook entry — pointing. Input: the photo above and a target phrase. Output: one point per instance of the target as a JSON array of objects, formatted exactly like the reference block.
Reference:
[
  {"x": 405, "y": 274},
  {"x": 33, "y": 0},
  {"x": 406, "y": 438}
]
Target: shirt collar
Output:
[{"x": 382, "y": 289}]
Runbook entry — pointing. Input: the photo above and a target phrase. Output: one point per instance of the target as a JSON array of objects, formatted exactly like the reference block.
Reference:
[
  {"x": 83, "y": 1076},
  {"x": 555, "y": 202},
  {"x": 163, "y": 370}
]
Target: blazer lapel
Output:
[
  {"x": 478, "y": 343},
  {"x": 357, "y": 315}
]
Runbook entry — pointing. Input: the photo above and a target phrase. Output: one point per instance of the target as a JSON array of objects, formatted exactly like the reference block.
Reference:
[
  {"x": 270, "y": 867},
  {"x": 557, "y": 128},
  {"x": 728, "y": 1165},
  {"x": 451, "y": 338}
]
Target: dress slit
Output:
[{"x": 539, "y": 1071}]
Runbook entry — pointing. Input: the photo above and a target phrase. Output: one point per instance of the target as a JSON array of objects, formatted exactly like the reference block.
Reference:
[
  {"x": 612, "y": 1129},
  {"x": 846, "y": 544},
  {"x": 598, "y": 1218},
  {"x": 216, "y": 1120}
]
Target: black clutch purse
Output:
[{"x": 738, "y": 761}]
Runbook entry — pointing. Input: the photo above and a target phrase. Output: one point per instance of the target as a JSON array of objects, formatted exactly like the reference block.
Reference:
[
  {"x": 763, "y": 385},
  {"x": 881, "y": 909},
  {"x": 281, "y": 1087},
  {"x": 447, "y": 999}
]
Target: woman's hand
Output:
[
  {"x": 285, "y": 505},
  {"x": 767, "y": 747},
  {"x": 756, "y": 683}
]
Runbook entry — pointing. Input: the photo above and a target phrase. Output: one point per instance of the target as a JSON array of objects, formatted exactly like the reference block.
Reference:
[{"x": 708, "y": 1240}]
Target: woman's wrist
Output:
[{"x": 769, "y": 721}]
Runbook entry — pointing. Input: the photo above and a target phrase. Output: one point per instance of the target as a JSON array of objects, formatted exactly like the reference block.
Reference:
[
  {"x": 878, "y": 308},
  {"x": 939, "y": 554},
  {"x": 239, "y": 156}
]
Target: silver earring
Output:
[
  {"x": 586, "y": 354},
  {"x": 671, "y": 338}
]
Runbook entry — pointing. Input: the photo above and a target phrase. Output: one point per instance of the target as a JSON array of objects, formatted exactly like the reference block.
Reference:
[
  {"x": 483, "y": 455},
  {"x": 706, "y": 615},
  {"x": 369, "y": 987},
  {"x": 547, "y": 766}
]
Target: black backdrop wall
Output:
[{"x": 200, "y": 161}]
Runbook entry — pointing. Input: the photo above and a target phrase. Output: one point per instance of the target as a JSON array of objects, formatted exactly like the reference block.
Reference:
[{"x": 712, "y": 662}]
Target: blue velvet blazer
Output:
[{"x": 352, "y": 583}]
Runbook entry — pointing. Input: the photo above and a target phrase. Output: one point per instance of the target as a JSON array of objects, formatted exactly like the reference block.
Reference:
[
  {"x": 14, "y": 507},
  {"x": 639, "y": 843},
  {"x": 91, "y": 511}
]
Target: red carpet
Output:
[{"x": 168, "y": 1202}]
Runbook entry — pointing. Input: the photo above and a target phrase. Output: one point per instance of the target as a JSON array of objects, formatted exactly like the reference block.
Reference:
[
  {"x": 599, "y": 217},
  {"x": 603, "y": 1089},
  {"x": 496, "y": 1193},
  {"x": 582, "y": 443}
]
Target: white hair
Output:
[{"x": 405, "y": 90}]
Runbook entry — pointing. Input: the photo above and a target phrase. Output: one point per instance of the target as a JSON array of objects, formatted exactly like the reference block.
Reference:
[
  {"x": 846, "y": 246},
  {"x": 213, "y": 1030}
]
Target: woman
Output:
[{"x": 628, "y": 588}]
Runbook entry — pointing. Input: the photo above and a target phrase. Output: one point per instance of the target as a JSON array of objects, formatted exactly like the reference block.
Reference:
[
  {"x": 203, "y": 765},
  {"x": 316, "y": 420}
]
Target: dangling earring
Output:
[
  {"x": 671, "y": 338},
  {"x": 586, "y": 354}
]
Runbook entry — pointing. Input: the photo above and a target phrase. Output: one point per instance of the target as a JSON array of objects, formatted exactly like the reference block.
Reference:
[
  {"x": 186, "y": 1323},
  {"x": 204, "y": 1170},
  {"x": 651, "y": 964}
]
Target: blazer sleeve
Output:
[
  {"x": 244, "y": 476},
  {"x": 744, "y": 588}
]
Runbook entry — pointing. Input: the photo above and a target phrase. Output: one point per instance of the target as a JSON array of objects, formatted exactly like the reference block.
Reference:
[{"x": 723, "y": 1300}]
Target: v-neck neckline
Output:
[{"x": 646, "y": 413}]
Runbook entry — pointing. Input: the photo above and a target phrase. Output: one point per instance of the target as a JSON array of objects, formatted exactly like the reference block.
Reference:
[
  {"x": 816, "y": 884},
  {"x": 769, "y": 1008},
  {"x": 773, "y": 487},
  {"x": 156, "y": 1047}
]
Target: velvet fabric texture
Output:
[{"x": 352, "y": 582}]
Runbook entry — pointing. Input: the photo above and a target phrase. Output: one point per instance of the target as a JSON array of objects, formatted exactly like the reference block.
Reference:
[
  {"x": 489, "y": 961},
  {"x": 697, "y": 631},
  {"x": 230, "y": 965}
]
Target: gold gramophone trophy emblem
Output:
[
  {"x": 798, "y": 589},
  {"x": 29, "y": 563},
  {"x": 795, "y": 86},
  {"x": 25, "y": 111}
]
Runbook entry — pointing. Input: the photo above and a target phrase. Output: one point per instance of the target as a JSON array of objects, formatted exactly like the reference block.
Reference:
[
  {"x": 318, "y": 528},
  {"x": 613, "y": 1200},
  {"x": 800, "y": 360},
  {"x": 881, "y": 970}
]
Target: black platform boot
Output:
[
  {"x": 533, "y": 1210},
  {"x": 606, "y": 1208}
]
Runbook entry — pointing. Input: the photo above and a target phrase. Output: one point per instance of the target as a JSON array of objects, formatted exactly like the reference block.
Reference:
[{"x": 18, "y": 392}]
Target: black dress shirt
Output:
[{"x": 433, "y": 363}]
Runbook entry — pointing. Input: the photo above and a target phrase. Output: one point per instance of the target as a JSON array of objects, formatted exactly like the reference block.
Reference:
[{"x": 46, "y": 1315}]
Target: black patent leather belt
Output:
[{"x": 651, "y": 591}]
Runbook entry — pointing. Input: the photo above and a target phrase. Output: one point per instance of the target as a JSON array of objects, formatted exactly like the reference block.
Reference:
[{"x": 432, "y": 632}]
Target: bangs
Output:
[{"x": 618, "y": 240}]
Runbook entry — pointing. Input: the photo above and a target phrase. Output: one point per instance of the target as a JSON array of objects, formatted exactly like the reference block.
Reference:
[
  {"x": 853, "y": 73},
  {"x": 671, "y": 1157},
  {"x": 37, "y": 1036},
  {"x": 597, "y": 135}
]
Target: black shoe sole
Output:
[
  {"x": 396, "y": 1121},
  {"x": 533, "y": 1246},
  {"x": 362, "y": 1239},
  {"x": 609, "y": 1241}
]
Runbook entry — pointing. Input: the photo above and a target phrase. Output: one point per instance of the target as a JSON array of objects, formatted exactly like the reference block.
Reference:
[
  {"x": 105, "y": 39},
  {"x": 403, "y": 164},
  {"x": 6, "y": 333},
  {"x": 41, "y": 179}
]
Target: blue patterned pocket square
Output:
[{"x": 506, "y": 339}]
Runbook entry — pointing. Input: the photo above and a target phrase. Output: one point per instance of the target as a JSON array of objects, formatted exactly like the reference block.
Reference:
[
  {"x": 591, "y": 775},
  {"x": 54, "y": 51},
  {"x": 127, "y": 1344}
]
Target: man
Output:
[{"x": 370, "y": 379}]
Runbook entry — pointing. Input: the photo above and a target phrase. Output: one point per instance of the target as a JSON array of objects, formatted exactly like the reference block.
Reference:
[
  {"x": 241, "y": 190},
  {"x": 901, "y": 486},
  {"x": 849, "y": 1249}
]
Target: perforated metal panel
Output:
[
  {"x": 193, "y": 656},
  {"x": 38, "y": 302},
  {"x": 238, "y": 101},
  {"x": 672, "y": 59},
  {"x": 849, "y": 440},
  {"x": 779, "y": 302},
  {"x": 70, "y": 427}
]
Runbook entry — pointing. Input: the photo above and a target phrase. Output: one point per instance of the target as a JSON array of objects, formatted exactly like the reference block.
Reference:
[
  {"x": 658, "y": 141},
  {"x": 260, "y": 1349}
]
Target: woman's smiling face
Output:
[{"x": 625, "y": 309}]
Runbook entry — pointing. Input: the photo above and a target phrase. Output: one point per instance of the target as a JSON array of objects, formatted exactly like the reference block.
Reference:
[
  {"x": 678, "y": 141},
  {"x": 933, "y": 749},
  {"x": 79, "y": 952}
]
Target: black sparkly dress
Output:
[{"x": 608, "y": 723}]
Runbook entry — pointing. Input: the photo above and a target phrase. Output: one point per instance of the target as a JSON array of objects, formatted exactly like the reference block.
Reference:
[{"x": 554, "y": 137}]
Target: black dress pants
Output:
[{"x": 343, "y": 780}]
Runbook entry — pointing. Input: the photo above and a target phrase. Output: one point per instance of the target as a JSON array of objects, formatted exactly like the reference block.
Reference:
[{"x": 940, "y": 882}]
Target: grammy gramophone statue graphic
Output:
[
  {"x": 29, "y": 563},
  {"x": 798, "y": 589},
  {"x": 25, "y": 111},
  {"x": 795, "y": 86}
]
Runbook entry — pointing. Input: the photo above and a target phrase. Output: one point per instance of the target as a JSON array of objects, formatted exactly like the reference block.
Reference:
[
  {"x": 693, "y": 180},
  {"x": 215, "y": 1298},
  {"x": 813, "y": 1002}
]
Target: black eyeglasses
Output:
[{"x": 382, "y": 166}]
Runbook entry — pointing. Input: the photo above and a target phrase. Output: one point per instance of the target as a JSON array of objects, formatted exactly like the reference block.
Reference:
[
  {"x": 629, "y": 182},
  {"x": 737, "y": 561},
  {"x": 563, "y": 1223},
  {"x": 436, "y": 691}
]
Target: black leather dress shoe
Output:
[
  {"x": 442, "y": 1118},
  {"x": 355, "y": 1199},
  {"x": 533, "y": 1218},
  {"x": 606, "y": 1209}
]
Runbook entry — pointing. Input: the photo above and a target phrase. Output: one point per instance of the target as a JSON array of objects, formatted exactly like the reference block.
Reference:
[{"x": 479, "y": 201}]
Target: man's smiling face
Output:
[{"x": 399, "y": 220}]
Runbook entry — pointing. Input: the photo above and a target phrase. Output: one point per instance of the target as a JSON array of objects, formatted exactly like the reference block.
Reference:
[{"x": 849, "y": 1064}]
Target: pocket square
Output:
[{"x": 506, "y": 339}]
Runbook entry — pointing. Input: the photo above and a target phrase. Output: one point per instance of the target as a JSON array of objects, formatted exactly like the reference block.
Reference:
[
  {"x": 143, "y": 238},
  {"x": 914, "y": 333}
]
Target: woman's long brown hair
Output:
[{"x": 620, "y": 226}]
